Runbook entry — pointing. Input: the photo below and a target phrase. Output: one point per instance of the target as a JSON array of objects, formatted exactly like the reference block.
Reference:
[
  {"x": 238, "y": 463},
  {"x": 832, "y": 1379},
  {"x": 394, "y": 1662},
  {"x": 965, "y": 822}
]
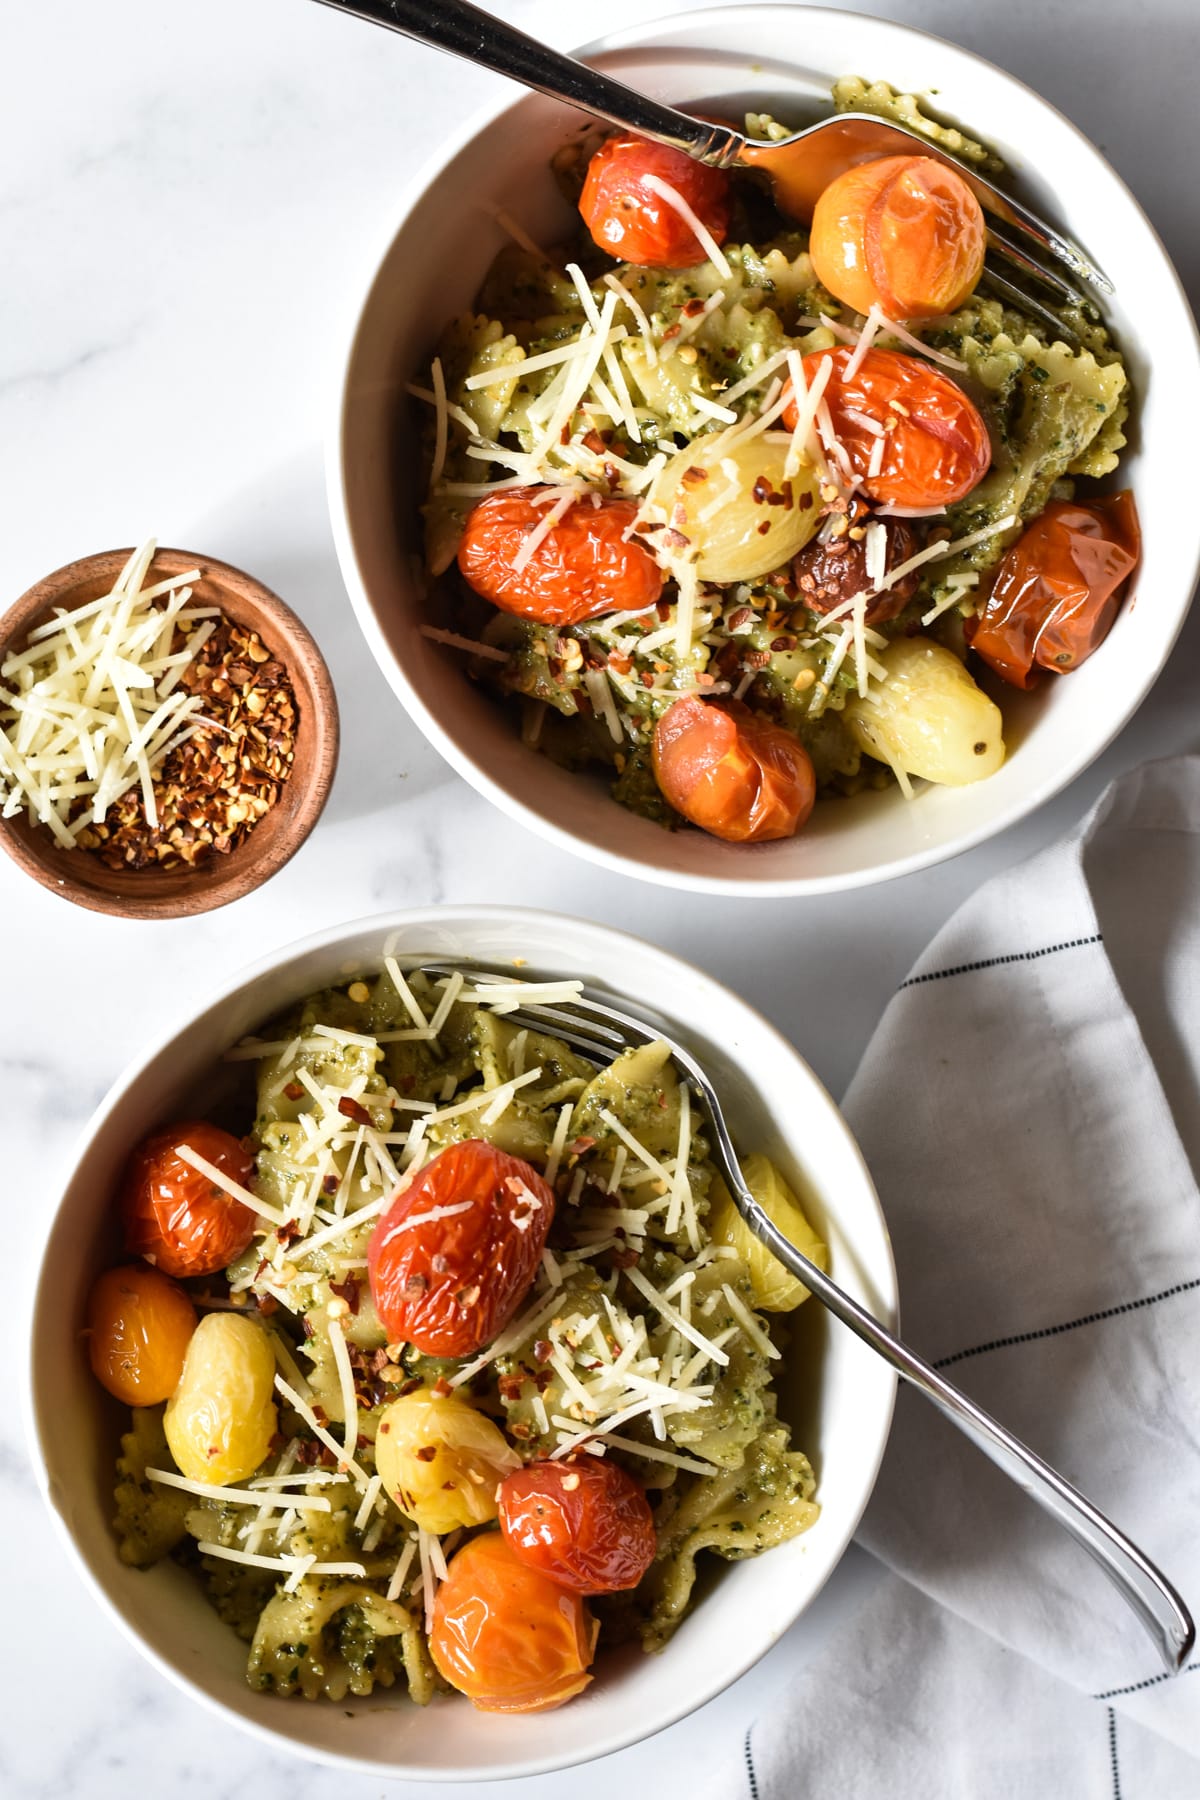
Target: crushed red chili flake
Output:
[
  {"x": 510, "y": 1386},
  {"x": 347, "y": 1290},
  {"x": 442, "y": 1388},
  {"x": 212, "y": 789},
  {"x": 352, "y": 1109},
  {"x": 426, "y": 1452},
  {"x": 293, "y": 1091}
]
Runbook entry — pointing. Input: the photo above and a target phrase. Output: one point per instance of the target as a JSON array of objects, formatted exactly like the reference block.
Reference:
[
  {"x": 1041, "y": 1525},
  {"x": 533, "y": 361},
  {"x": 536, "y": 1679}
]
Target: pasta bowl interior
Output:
[
  {"x": 784, "y": 60},
  {"x": 834, "y": 1394}
]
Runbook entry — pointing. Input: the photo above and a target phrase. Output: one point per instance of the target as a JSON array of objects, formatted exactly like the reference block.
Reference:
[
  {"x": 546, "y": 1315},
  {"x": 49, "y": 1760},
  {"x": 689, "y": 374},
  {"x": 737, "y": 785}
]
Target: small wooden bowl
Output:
[{"x": 173, "y": 893}]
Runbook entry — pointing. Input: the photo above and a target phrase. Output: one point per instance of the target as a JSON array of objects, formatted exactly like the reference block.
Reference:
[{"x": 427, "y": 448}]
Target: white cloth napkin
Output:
[{"x": 1030, "y": 1109}]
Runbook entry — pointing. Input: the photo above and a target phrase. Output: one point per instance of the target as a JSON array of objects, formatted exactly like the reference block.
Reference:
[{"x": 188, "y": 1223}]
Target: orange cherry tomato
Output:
[
  {"x": 635, "y": 223},
  {"x": 449, "y": 1284},
  {"x": 730, "y": 772},
  {"x": 905, "y": 234},
  {"x": 936, "y": 447},
  {"x": 1059, "y": 589},
  {"x": 586, "y": 1523},
  {"x": 176, "y": 1217},
  {"x": 506, "y": 1635},
  {"x": 139, "y": 1324},
  {"x": 583, "y": 567}
]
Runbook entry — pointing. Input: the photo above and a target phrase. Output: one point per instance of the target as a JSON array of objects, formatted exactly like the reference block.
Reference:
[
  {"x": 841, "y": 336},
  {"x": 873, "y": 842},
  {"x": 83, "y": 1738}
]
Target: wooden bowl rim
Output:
[{"x": 217, "y": 882}]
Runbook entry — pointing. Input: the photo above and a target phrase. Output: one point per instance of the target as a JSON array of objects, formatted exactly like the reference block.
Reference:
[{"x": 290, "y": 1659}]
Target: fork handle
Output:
[
  {"x": 467, "y": 31},
  {"x": 1156, "y": 1603}
]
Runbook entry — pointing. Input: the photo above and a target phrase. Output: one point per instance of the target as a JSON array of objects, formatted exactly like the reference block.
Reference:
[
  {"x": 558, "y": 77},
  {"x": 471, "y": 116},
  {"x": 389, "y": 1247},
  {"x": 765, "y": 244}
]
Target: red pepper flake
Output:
[
  {"x": 511, "y": 1386},
  {"x": 293, "y": 1091},
  {"x": 783, "y": 643},
  {"x": 442, "y": 1388},
  {"x": 764, "y": 528},
  {"x": 347, "y": 1290},
  {"x": 426, "y": 1453},
  {"x": 672, "y": 331},
  {"x": 693, "y": 476},
  {"x": 692, "y": 307},
  {"x": 760, "y": 491},
  {"x": 581, "y": 1144},
  {"x": 350, "y": 1109},
  {"x": 677, "y": 539},
  {"x": 625, "y": 1259},
  {"x": 520, "y": 1430}
]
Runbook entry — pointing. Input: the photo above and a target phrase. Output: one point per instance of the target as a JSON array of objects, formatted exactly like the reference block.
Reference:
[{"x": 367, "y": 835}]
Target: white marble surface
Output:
[{"x": 189, "y": 199}]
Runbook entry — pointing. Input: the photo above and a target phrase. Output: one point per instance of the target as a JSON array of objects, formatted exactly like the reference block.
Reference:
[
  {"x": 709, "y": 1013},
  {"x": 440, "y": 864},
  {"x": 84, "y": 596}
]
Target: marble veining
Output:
[{"x": 189, "y": 202}]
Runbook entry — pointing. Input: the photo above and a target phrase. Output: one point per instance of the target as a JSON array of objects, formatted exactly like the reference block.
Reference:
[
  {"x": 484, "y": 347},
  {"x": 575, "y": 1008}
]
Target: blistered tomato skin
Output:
[
  {"x": 936, "y": 445},
  {"x": 449, "y": 1285},
  {"x": 506, "y": 1635},
  {"x": 905, "y": 234},
  {"x": 1057, "y": 593},
  {"x": 635, "y": 224},
  {"x": 583, "y": 567},
  {"x": 139, "y": 1325},
  {"x": 586, "y": 1523},
  {"x": 221, "y": 1418},
  {"x": 440, "y": 1460},
  {"x": 176, "y": 1217},
  {"x": 831, "y": 573},
  {"x": 737, "y": 776}
]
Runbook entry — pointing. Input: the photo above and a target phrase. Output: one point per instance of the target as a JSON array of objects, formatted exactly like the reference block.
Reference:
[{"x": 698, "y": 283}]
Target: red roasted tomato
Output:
[
  {"x": 735, "y": 775},
  {"x": 633, "y": 222},
  {"x": 936, "y": 447},
  {"x": 506, "y": 1635},
  {"x": 586, "y": 1524},
  {"x": 176, "y": 1217},
  {"x": 450, "y": 1283},
  {"x": 583, "y": 567},
  {"x": 1059, "y": 589}
]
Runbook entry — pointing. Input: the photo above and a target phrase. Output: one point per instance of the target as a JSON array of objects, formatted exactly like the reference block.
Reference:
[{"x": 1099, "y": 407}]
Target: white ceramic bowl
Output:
[
  {"x": 444, "y": 240},
  {"x": 836, "y": 1393}
]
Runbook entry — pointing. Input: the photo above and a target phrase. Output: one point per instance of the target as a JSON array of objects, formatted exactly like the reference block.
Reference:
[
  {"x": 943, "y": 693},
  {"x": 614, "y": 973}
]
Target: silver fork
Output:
[
  {"x": 799, "y": 166},
  {"x": 599, "y": 1032}
]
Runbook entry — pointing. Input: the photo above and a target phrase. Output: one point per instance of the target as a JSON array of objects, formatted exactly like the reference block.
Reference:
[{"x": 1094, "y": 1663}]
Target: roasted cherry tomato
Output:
[
  {"x": 830, "y": 573},
  {"x": 584, "y": 565},
  {"x": 905, "y": 234},
  {"x": 586, "y": 1524},
  {"x": 730, "y": 772},
  {"x": 635, "y": 223},
  {"x": 506, "y": 1635},
  {"x": 139, "y": 1325},
  {"x": 176, "y": 1217},
  {"x": 1059, "y": 588},
  {"x": 449, "y": 1283},
  {"x": 936, "y": 445}
]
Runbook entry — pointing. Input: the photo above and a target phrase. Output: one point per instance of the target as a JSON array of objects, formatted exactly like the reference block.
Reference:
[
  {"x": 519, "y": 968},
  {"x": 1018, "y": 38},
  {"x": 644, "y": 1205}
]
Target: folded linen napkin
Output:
[{"x": 1030, "y": 1109}]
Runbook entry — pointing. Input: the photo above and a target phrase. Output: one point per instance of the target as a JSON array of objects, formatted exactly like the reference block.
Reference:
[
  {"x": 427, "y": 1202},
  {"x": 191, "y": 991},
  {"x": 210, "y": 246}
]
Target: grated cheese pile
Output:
[{"x": 91, "y": 705}]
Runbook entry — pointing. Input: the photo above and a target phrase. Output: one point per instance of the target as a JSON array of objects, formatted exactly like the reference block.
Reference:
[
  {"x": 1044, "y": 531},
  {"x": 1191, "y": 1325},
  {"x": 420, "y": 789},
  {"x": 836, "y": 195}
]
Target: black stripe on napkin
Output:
[
  {"x": 1047, "y": 1331},
  {"x": 1135, "y": 1687},
  {"x": 994, "y": 962},
  {"x": 1112, "y": 1754},
  {"x": 751, "y": 1777}
]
